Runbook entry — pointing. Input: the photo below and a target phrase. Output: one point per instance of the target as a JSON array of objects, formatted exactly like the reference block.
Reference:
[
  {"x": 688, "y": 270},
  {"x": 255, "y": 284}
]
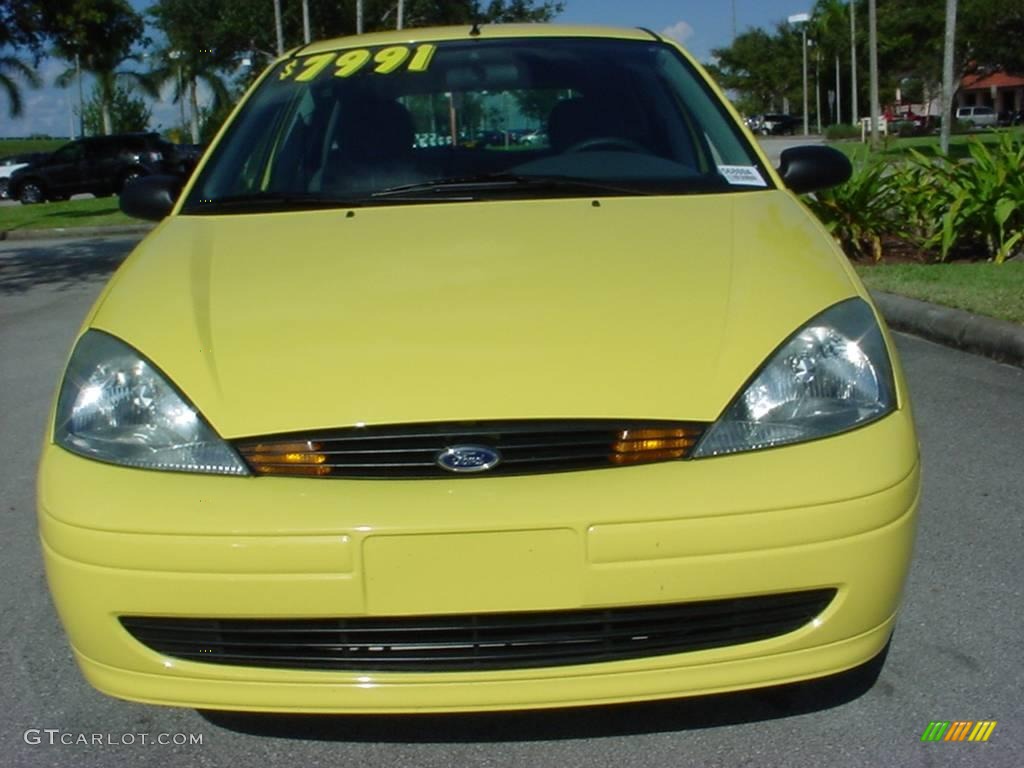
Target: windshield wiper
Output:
[
  {"x": 494, "y": 182},
  {"x": 261, "y": 202}
]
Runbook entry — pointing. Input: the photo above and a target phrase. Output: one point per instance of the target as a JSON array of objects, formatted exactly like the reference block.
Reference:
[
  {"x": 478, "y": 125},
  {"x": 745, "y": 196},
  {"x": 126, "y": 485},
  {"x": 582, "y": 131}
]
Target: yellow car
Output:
[{"x": 381, "y": 418}]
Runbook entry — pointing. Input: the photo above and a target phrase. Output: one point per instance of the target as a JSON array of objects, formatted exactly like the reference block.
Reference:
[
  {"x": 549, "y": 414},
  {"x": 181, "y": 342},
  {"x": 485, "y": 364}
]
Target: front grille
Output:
[
  {"x": 479, "y": 641},
  {"x": 521, "y": 447}
]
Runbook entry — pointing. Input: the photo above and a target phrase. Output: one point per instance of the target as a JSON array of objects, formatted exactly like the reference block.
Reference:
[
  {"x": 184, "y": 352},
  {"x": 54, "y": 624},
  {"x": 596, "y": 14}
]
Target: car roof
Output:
[{"x": 463, "y": 32}]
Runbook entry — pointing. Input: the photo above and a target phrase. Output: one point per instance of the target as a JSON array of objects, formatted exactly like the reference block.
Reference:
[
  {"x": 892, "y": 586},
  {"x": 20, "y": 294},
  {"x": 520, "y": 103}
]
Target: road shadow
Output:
[
  {"x": 60, "y": 264},
  {"x": 564, "y": 724}
]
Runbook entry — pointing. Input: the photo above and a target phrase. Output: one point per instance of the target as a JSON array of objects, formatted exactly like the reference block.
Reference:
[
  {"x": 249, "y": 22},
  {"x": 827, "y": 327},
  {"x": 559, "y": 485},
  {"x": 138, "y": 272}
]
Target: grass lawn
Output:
[
  {"x": 895, "y": 148},
  {"x": 23, "y": 146},
  {"x": 94, "y": 212},
  {"x": 996, "y": 290}
]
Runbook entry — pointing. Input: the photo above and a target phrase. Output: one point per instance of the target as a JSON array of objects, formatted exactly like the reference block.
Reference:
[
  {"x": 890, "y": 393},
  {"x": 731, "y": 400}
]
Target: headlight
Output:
[
  {"x": 832, "y": 375},
  {"x": 115, "y": 406}
]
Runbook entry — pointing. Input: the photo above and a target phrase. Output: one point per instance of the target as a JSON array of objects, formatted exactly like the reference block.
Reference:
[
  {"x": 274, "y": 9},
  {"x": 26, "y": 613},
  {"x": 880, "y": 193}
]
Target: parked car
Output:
[
  {"x": 100, "y": 165},
  {"x": 12, "y": 163},
  {"x": 979, "y": 117},
  {"x": 1009, "y": 117},
  {"x": 370, "y": 426},
  {"x": 773, "y": 124},
  {"x": 536, "y": 137}
]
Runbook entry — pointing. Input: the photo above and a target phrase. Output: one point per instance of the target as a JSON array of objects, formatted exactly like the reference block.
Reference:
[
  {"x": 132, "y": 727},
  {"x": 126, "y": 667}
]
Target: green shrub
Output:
[
  {"x": 858, "y": 213},
  {"x": 934, "y": 204},
  {"x": 905, "y": 129},
  {"x": 841, "y": 131}
]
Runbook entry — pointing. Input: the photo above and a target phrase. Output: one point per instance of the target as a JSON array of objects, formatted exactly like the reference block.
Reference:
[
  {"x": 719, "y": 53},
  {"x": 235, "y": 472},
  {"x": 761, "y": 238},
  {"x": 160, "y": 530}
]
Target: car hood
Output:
[{"x": 638, "y": 307}]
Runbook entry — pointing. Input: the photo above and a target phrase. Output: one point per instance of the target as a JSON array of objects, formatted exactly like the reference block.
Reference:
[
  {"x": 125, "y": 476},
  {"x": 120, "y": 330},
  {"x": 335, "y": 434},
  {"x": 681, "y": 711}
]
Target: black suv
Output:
[{"x": 101, "y": 165}]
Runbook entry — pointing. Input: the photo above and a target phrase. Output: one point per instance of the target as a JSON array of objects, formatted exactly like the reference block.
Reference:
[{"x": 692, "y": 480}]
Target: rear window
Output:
[{"x": 478, "y": 119}]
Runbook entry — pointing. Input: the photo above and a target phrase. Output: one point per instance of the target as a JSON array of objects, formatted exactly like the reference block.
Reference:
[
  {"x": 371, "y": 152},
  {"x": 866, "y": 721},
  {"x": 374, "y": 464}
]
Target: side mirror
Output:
[
  {"x": 150, "y": 197},
  {"x": 813, "y": 167}
]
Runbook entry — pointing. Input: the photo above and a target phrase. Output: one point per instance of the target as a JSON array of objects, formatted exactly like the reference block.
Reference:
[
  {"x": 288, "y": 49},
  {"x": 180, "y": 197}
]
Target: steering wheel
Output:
[{"x": 608, "y": 142}]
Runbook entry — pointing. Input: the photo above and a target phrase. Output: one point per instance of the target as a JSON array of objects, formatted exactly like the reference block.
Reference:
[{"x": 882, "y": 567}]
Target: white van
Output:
[{"x": 979, "y": 117}]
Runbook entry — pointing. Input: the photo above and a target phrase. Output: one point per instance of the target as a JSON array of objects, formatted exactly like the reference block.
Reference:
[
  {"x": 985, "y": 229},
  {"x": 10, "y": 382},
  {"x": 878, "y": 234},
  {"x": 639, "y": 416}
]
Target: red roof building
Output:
[{"x": 999, "y": 90}]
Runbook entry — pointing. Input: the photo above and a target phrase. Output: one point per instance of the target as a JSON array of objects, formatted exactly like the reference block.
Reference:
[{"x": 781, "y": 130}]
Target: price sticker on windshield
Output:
[
  {"x": 379, "y": 61},
  {"x": 742, "y": 175}
]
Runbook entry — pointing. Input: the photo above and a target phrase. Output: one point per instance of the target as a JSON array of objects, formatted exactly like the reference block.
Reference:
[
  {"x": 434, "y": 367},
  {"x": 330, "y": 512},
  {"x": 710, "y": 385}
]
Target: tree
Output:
[
  {"x": 244, "y": 26},
  {"x": 990, "y": 33},
  {"x": 100, "y": 36},
  {"x": 128, "y": 113},
  {"x": 765, "y": 68},
  {"x": 947, "y": 76},
  {"x": 199, "y": 50},
  {"x": 13, "y": 69},
  {"x": 830, "y": 21}
]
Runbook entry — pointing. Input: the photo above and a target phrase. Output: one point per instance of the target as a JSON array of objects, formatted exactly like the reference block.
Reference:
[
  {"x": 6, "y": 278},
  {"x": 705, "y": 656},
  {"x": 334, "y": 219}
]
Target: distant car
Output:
[
  {"x": 535, "y": 138},
  {"x": 773, "y": 124},
  {"x": 100, "y": 165},
  {"x": 9, "y": 165},
  {"x": 187, "y": 156},
  {"x": 1009, "y": 117},
  {"x": 490, "y": 138},
  {"x": 979, "y": 117}
]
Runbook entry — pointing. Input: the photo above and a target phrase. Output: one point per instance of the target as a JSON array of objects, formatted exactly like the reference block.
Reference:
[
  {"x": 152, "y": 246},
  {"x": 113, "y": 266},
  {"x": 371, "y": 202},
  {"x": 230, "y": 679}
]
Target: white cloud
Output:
[{"x": 680, "y": 31}]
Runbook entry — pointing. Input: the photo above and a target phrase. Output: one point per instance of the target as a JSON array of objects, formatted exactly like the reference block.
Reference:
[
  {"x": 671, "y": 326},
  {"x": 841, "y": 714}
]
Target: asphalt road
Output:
[{"x": 957, "y": 653}]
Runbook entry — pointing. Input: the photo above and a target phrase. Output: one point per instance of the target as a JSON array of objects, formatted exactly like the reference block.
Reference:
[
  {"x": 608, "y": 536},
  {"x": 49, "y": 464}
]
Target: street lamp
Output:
[{"x": 802, "y": 19}]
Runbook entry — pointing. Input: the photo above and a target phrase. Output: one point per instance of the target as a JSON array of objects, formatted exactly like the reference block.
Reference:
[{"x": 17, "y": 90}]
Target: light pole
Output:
[
  {"x": 873, "y": 71},
  {"x": 853, "y": 61},
  {"x": 802, "y": 19}
]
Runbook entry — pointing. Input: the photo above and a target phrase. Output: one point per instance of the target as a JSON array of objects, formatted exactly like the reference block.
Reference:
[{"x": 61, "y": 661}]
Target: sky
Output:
[{"x": 700, "y": 25}]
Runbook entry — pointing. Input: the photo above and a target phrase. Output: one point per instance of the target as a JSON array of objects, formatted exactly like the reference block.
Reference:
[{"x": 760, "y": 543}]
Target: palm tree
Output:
[
  {"x": 101, "y": 34},
  {"x": 948, "y": 86},
  {"x": 829, "y": 22},
  {"x": 13, "y": 69},
  {"x": 183, "y": 70},
  {"x": 108, "y": 77}
]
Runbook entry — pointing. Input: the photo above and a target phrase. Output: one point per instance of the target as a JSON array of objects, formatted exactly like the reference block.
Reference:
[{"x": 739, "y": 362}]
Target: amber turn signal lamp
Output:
[
  {"x": 286, "y": 458},
  {"x": 638, "y": 446}
]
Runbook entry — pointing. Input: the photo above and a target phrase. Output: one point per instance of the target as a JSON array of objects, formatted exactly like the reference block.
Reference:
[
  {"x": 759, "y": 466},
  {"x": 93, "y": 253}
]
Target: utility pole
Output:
[
  {"x": 305, "y": 22},
  {"x": 359, "y": 17},
  {"x": 401, "y": 14},
  {"x": 873, "y": 66},
  {"x": 734, "y": 21},
  {"x": 853, "y": 62},
  {"x": 947, "y": 77}
]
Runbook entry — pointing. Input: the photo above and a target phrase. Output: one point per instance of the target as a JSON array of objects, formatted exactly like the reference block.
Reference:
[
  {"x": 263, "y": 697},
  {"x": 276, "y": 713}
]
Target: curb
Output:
[
  {"x": 997, "y": 339},
  {"x": 58, "y": 232}
]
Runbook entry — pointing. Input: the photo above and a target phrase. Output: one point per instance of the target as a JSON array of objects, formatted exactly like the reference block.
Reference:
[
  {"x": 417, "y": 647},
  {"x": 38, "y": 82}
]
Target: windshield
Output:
[{"x": 472, "y": 120}]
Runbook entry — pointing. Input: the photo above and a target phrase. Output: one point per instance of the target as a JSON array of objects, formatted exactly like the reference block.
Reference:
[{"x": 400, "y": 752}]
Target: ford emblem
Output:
[{"x": 468, "y": 458}]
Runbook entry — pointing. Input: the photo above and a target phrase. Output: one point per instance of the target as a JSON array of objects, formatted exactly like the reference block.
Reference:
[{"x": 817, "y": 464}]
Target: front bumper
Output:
[{"x": 837, "y": 513}]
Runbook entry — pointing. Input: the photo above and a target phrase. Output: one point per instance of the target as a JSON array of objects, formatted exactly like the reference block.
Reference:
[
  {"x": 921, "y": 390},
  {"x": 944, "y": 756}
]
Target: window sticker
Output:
[
  {"x": 381, "y": 61},
  {"x": 742, "y": 175}
]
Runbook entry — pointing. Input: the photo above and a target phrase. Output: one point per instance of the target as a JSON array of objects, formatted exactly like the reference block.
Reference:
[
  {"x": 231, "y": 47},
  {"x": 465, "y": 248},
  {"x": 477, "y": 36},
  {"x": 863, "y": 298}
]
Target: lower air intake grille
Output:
[
  {"x": 479, "y": 641},
  {"x": 474, "y": 449}
]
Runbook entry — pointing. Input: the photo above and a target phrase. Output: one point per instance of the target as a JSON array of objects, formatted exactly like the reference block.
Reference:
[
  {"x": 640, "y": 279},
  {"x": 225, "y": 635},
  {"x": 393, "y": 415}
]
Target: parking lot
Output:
[{"x": 955, "y": 656}]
